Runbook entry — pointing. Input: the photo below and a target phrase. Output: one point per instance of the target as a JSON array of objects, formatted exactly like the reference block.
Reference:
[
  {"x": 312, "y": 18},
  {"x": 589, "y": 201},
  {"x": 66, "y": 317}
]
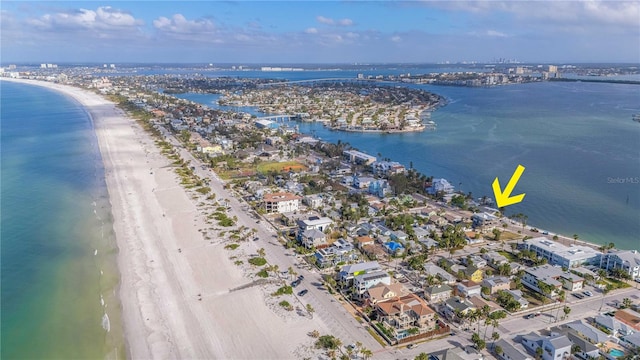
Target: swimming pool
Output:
[{"x": 616, "y": 353}]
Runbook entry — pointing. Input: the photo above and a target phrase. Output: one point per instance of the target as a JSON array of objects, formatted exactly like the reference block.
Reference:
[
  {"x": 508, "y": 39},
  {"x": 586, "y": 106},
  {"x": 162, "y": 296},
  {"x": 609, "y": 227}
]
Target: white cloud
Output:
[
  {"x": 178, "y": 24},
  {"x": 396, "y": 38},
  {"x": 311, "y": 30},
  {"x": 494, "y": 33},
  {"x": 104, "y": 18},
  {"x": 324, "y": 20},
  {"x": 587, "y": 13},
  {"x": 332, "y": 22}
]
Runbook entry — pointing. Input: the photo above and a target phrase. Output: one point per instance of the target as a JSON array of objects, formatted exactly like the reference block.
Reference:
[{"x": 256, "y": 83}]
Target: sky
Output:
[{"x": 347, "y": 31}]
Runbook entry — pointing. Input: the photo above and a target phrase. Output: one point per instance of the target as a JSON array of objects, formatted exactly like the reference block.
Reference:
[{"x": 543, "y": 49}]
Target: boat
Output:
[{"x": 635, "y": 117}]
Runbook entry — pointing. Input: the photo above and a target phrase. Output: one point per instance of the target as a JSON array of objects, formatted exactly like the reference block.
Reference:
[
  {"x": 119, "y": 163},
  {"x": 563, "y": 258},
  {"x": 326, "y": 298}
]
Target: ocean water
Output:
[
  {"x": 58, "y": 261},
  {"x": 580, "y": 148}
]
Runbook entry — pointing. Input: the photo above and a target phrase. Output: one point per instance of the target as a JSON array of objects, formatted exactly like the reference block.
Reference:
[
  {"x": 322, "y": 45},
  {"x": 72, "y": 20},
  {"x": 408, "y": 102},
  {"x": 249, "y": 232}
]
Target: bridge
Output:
[
  {"x": 317, "y": 80},
  {"x": 279, "y": 118}
]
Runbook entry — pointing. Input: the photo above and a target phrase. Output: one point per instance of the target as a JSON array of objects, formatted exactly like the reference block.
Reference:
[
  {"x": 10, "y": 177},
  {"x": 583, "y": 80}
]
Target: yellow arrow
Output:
[{"x": 504, "y": 198}]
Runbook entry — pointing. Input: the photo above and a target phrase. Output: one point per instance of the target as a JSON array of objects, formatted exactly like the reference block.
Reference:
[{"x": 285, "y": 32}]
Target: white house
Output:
[
  {"x": 553, "y": 347},
  {"x": 440, "y": 185},
  {"x": 627, "y": 260}
]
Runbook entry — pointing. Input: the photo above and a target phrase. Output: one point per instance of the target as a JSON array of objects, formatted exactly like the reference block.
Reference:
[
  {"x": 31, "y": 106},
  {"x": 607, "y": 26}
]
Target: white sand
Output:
[{"x": 154, "y": 217}]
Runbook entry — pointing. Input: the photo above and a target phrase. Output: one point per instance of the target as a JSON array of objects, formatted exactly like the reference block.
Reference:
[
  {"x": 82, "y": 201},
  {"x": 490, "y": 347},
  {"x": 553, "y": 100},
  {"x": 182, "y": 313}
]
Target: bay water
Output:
[{"x": 577, "y": 142}]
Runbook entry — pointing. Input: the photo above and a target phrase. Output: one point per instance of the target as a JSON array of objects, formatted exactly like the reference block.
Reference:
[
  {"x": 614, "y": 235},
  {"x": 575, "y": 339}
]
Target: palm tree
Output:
[
  {"x": 310, "y": 310},
  {"x": 566, "y": 310},
  {"x": 292, "y": 272},
  {"x": 575, "y": 238},
  {"x": 261, "y": 252},
  {"x": 422, "y": 356},
  {"x": 366, "y": 353},
  {"x": 495, "y": 336}
]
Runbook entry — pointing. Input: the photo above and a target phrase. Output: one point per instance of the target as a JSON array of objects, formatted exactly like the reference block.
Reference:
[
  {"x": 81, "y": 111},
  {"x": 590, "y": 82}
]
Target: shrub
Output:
[
  {"x": 263, "y": 273},
  {"x": 327, "y": 342},
  {"x": 288, "y": 290},
  {"x": 257, "y": 261},
  {"x": 285, "y": 304},
  {"x": 231, "y": 246}
]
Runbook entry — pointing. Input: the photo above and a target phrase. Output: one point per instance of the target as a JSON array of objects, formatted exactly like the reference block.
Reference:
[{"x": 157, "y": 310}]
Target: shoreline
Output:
[{"x": 174, "y": 284}]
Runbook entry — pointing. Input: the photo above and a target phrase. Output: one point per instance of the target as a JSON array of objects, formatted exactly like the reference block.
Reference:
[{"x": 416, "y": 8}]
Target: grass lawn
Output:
[
  {"x": 280, "y": 166},
  {"x": 507, "y": 235},
  {"x": 508, "y": 255}
]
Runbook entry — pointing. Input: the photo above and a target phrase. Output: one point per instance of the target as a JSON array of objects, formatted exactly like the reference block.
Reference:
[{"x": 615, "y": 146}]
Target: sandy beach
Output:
[{"x": 174, "y": 287}]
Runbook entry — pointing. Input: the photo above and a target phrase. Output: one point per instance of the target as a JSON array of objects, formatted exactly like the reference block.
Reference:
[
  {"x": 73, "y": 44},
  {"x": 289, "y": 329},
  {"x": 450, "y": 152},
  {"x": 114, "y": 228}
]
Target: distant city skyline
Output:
[{"x": 320, "y": 32}]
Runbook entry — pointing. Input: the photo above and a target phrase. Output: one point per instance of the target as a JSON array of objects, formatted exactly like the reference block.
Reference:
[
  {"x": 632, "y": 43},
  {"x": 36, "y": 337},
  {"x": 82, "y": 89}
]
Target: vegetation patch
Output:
[
  {"x": 285, "y": 290},
  {"x": 284, "y": 166},
  {"x": 327, "y": 342},
  {"x": 257, "y": 261},
  {"x": 285, "y": 304},
  {"x": 231, "y": 246},
  {"x": 263, "y": 273}
]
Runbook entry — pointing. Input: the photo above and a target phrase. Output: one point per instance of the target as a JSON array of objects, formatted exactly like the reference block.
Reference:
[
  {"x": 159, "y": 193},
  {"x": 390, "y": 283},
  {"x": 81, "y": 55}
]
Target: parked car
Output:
[
  {"x": 588, "y": 293},
  {"x": 529, "y": 316},
  {"x": 300, "y": 278},
  {"x": 578, "y": 295},
  {"x": 295, "y": 283},
  {"x": 303, "y": 292},
  {"x": 411, "y": 346}
]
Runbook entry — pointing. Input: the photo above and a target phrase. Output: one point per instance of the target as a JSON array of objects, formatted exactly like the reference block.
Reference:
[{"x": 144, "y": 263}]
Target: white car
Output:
[{"x": 588, "y": 293}]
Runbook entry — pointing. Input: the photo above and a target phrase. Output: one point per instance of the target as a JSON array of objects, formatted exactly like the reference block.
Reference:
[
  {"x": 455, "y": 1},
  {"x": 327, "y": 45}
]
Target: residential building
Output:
[
  {"x": 476, "y": 260},
  {"x": 440, "y": 185},
  {"x": 314, "y": 222},
  {"x": 313, "y": 201},
  {"x": 437, "y": 293},
  {"x": 361, "y": 283},
  {"x": 433, "y": 269},
  {"x": 362, "y": 241},
  {"x": 362, "y": 182},
  {"x": 281, "y": 202},
  {"x": 387, "y": 168},
  {"x": 561, "y": 255},
  {"x": 631, "y": 340},
  {"x": 341, "y": 251},
  {"x": 497, "y": 283},
  {"x": 510, "y": 352},
  {"x": 494, "y": 259},
  {"x": 484, "y": 221},
  {"x": 468, "y": 353},
  {"x": 311, "y": 238},
  {"x": 588, "y": 332},
  {"x": 554, "y": 347},
  {"x": 456, "y": 305},
  {"x": 553, "y": 276},
  {"x": 627, "y": 260},
  {"x": 383, "y": 292},
  {"x": 468, "y": 288},
  {"x": 587, "y": 349},
  {"x": 478, "y": 302},
  {"x": 380, "y": 188},
  {"x": 612, "y": 324},
  {"x": 473, "y": 273},
  {"x": 517, "y": 296},
  {"x": 404, "y": 313},
  {"x": 349, "y": 272}
]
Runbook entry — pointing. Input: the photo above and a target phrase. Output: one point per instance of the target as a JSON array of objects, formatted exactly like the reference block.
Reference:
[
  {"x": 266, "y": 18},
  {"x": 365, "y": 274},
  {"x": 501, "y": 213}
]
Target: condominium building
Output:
[
  {"x": 281, "y": 202},
  {"x": 565, "y": 256}
]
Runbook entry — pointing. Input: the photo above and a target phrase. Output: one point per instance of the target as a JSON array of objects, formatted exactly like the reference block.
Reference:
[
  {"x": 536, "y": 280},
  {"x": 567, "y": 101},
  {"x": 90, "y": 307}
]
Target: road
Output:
[{"x": 341, "y": 323}]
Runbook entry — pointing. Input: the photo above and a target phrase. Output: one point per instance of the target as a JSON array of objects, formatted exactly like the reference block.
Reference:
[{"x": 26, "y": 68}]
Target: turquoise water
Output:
[
  {"x": 58, "y": 251},
  {"x": 576, "y": 140},
  {"x": 616, "y": 353}
]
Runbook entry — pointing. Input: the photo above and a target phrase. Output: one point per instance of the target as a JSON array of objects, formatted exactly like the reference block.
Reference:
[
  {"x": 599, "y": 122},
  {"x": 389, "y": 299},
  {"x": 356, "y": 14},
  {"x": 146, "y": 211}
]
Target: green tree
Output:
[{"x": 422, "y": 356}]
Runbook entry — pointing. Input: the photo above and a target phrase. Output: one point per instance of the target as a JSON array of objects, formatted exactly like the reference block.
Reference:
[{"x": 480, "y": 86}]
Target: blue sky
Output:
[{"x": 320, "y": 31}]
